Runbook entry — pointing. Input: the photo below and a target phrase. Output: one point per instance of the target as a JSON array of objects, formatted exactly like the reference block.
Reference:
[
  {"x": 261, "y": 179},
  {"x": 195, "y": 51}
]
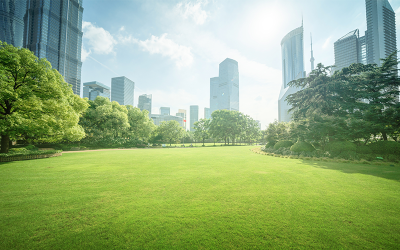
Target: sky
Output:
[{"x": 171, "y": 48}]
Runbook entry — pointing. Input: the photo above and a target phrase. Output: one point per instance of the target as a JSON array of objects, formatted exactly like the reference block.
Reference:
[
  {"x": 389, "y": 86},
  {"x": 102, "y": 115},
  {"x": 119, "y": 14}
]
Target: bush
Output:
[
  {"x": 385, "y": 147},
  {"x": 302, "y": 146},
  {"x": 270, "y": 144},
  {"x": 283, "y": 144},
  {"x": 338, "y": 147},
  {"x": 363, "y": 150},
  {"x": 17, "y": 150},
  {"x": 31, "y": 147}
]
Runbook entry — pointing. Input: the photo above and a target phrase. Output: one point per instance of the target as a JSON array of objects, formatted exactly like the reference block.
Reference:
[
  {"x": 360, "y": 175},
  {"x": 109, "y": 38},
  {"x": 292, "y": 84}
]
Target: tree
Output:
[
  {"x": 170, "y": 131},
  {"x": 141, "y": 126},
  {"x": 35, "y": 101},
  {"x": 105, "y": 120},
  {"x": 201, "y": 128}
]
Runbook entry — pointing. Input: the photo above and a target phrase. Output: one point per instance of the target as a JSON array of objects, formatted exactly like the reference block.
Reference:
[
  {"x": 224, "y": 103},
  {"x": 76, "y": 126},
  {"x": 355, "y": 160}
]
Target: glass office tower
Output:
[
  {"x": 207, "y": 113},
  {"x": 145, "y": 102},
  {"x": 194, "y": 116},
  {"x": 165, "y": 111},
  {"x": 122, "y": 90},
  {"x": 214, "y": 85},
  {"x": 12, "y": 21},
  {"x": 228, "y": 88},
  {"x": 53, "y": 30},
  {"x": 346, "y": 50},
  {"x": 91, "y": 90},
  {"x": 292, "y": 48},
  {"x": 381, "y": 30}
]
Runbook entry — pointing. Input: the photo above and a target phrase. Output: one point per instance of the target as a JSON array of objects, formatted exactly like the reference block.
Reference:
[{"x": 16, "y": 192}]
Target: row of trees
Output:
[
  {"x": 37, "y": 105},
  {"x": 360, "y": 103}
]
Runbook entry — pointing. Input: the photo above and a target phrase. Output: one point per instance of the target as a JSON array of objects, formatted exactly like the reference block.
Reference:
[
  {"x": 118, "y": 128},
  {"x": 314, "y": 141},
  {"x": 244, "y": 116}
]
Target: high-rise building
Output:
[
  {"x": 94, "y": 89},
  {"x": 312, "y": 57},
  {"x": 259, "y": 123},
  {"x": 182, "y": 113},
  {"x": 292, "y": 48},
  {"x": 214, "y": 85},
  {"x": 194, "y": 116},
  {"x": 122, "y": 90},
  {"x": 347, "y": 50},
  {"x": 381, "y": 30},
  {"x": 207, "y": 113},
  {"x": 12, "y": 21},
  {"x": 228, "y": 91},
  {"x": 164, "y": 111},
  {"x": 53, "y": 30},
  {"x": 145, "y": 102}
]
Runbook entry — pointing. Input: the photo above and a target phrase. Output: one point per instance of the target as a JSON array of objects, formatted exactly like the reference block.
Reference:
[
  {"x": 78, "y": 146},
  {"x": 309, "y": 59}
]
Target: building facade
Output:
[
  {"x": 12, "y": 21},
  {"x": 292, "y": 48},
  {"x": 214, "y": 84},
  {"x": 228, "y": 87},
  {"x": 347, "y": 50},
  {"x": 91, "y": 90},
  {"x": 53, "y": 30},
  {"x": 182, "y": 113},
  {"x": 381, "y": 30},
  {"x": 144, "y": 102},
  {"x": 122, "y": 90},
  {"x": 207, "y": 113},
  {"x": 165, "y": 111},
  {"x": 158, "y": 119},
  {"x": 194, "y": 116}
]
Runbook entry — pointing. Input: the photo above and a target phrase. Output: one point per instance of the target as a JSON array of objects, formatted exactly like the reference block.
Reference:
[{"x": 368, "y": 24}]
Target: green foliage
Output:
[
  {"x": 12, "y": 152},
  {"x": 141, "y": 125},
  {"x": 270, "y": 145},
  {"x": 363, "y": 150},
  {"x": 385, "y": 147},
  {"x": 283, "y": 144},
  {"x": 31, "y": 147},
  {"x": 201, "y": 129},
  {"x": 302, "y": 146},
  {"x": 36, "y": 104},
  {"x": 338, "y": 147},
  {"x": 277, "y": 131},
  {"x": 170, "y": 132}
]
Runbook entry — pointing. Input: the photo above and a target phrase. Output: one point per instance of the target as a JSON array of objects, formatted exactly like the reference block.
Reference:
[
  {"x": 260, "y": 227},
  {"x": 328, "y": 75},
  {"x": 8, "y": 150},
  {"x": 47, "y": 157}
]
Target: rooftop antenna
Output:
[{"x": 312, "y": 55}]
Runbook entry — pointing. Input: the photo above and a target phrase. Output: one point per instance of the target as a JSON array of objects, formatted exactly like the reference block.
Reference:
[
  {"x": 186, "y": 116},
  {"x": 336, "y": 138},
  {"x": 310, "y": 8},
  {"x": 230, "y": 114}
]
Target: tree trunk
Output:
[
  {"x": 5, "y": 143},
  {"x": 384, "y": 135}
]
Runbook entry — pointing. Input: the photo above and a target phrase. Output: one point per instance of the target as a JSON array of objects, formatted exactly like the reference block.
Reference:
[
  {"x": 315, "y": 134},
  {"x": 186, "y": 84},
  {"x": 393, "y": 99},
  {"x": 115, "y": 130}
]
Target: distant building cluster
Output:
[{"x": 378, "y": 43}]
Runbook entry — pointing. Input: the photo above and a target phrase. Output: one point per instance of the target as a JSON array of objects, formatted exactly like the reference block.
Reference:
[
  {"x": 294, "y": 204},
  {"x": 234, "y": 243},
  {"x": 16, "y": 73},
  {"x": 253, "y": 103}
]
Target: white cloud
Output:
[
  {"x": 98, "y": 39},
  {"x": 85, "y": 54},
  {"x": 327, "y": 41},
  {"x": 193, "y": 11},
  {"x": 164, "y": 46}
]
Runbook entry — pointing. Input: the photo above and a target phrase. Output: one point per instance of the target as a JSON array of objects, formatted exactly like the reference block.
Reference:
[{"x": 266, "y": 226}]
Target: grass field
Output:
[{"x": 196, "y": 198}]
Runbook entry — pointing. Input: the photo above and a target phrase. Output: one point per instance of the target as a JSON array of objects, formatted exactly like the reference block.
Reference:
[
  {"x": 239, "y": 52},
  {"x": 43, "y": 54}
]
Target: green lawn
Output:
[{"x": 196, "y": 198}]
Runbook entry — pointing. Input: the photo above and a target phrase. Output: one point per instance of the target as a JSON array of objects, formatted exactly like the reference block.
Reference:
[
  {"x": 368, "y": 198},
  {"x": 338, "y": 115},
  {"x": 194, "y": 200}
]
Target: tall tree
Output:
[
  {"x": 141, "y": 126},
  {"x": 170, "y": 131},
  {"x": 201, "y": 129},
  {"x": 35, "y": 101}
]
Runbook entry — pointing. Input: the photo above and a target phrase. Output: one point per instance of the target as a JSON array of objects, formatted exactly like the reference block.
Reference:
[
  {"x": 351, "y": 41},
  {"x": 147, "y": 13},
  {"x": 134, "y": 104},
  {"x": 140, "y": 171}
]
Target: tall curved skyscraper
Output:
[
  {"x": 12, "y": 21},
  {"x": 292, "y": 47}
]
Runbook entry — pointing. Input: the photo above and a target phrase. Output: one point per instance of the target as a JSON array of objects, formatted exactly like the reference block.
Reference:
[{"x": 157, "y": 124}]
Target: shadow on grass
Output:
[{"x": 389, "y": 171}]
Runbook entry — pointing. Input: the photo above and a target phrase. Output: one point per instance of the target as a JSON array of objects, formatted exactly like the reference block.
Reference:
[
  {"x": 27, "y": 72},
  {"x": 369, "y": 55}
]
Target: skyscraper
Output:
[
  {"x": 93, "y": 89},
  {"x": 12, "y": 21},
  {"x": 122, "y": 90},
  {"x": 312, "y": 57},
  {"x": 214, "y": 85},
  {"x": 207, "y": 113},
  {"x": 381, "y": 30},
  {"x": 53, "y": 30},
  {"x": 182, "y": 113},
  {"x": 164, "y": 111},
  {"x": 194, "y": 116},
  {"x": 228, "y": 91},
  {"x": 145, "y": 102},
  {"x": 347, "y": 50},
  {"x": 292, "y": 48}
]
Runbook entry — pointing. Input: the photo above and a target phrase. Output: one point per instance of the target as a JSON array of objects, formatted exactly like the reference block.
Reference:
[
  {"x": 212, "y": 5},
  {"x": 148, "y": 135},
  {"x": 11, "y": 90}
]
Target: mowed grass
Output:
[{"x": 196, "y": 198}]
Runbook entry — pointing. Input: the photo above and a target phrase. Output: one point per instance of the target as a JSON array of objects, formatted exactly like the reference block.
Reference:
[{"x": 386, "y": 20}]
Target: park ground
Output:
[{"x": 196, "y": 198}]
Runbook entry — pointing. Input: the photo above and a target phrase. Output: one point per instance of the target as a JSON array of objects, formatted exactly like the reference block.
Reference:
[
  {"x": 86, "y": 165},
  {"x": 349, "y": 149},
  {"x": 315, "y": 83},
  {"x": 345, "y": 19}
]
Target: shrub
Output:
[
  {"x": 270, "y": 144},
  {"x": 338, "y": 147},
  {"x": 31, "y": 147},
  {"x": 385, "y": 147},
  {"x": 18, "y": 150},
  {"x": 302, "y": 146},
  {"x": 363, "y": 150},
  {"x": 283, "y": 144}
]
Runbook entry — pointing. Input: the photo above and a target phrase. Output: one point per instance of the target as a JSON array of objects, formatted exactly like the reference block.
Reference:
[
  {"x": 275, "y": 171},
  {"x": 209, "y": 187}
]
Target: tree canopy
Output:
[{"x": 35, "y": 102}]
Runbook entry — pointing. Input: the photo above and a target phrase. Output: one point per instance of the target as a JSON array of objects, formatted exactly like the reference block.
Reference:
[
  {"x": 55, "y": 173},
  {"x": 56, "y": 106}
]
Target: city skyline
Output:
[{"x": 171, "y": 49}]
